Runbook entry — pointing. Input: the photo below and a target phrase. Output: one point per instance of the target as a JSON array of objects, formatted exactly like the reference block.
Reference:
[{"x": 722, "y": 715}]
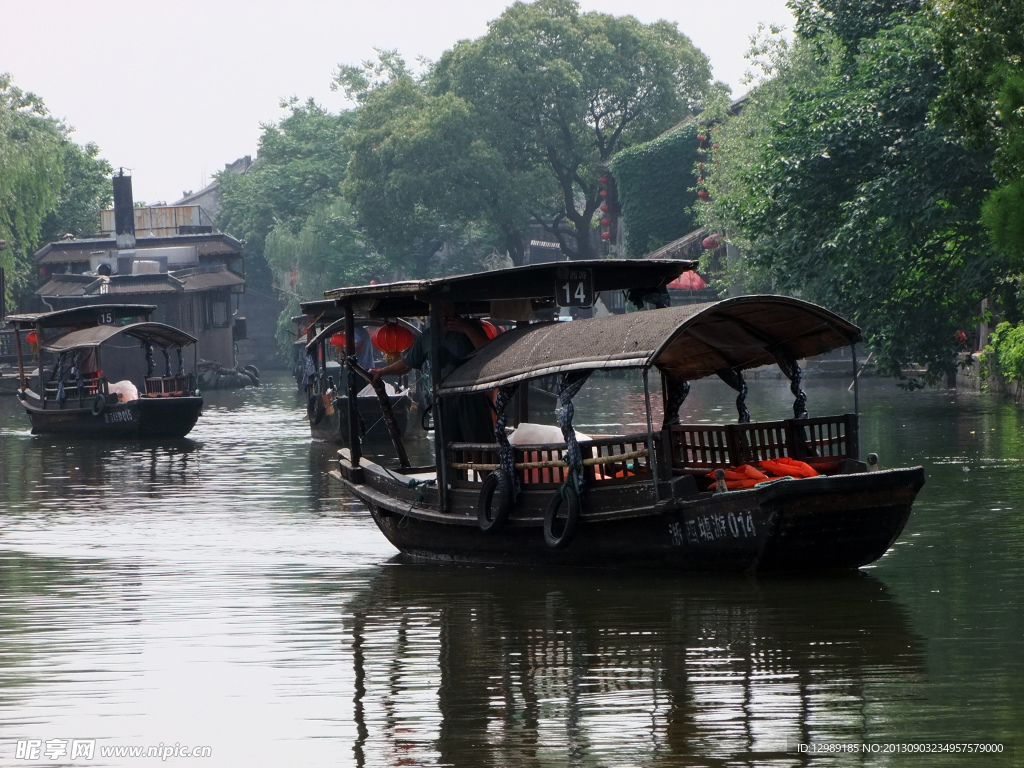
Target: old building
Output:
[{"x": 168, "y": 256}]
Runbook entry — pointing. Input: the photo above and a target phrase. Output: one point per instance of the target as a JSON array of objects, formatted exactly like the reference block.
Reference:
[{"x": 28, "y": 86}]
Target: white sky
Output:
[{"x": 174, "y": 90}]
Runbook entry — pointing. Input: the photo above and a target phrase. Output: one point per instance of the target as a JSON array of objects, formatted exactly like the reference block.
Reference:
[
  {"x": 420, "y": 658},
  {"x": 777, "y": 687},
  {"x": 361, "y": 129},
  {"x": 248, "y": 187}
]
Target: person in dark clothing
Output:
[{"x": 467, "y": 418}]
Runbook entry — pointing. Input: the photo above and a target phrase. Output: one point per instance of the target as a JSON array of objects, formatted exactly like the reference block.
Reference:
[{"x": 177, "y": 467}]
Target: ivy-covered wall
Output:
[{"x": 656, "y": 189}]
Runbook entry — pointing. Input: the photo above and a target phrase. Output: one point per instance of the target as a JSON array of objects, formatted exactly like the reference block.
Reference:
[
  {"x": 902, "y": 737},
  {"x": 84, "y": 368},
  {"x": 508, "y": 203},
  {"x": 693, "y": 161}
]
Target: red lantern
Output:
[
  {"x": 604, "y": 179},
  {"x": 489, "y": 329},
  {"x": 710, "y": 242},
  {"x": 714, "y": 146},
  {"x": 604, "y": 207},
  {"x": 700, "y": 137},
  {"x": 392, "y": 339},
  {"x": 606, "y": 235},
  {"x": 604, "y": 193},
  {"x": 31, "y": 338},
  {"x": 703, "y": 194},
  {"x": 606, "y": 222},
  {"x": 338, "y": 340}
]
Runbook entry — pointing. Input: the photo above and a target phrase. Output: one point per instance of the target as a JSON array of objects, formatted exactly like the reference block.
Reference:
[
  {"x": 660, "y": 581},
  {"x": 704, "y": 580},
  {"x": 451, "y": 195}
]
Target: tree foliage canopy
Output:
[
  {"x": 513, "y": 127},
  {"x": 49, "y": 186},
  {"x": 843, "y": 189},
  {"x": 657, "y": 188}
]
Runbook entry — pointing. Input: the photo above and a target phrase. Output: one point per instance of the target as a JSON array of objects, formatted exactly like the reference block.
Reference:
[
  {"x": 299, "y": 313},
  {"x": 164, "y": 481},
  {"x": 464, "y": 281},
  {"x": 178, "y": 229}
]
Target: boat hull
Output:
[
  {"x": 816, "y": 524},
  {"x": 162, "y": 417}
]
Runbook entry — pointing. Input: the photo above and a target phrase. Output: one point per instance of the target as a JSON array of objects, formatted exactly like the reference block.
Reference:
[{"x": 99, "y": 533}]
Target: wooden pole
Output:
[
  {"x": 440, "y": 449},
  {"x": 354, "y": 446},
  {"x": 385, "y": 406}
]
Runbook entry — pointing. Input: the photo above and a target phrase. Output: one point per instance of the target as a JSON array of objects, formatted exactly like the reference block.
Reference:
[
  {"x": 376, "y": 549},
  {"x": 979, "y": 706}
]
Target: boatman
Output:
[{"x": 467, "y": 418}]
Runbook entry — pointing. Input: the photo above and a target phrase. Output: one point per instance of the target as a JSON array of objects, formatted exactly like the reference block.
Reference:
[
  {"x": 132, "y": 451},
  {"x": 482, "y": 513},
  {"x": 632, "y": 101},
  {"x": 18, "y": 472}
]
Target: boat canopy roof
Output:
[
  {"x": 475, "y": 292},
  {"x": 87, "y": 315},
  {"x": 686, "y": 343},
  {"x": 157, "y": 334}
]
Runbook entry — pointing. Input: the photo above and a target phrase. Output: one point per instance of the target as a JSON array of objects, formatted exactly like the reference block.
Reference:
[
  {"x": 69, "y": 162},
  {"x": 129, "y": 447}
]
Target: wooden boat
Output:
[
  {"x": 321, "y": 379},
  {"x": 98, "y": 377},
  {"x": 650, "y": 499}
]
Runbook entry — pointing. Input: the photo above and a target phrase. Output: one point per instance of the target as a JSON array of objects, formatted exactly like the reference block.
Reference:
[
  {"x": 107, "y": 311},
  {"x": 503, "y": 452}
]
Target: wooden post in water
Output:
[{"x": 354, "y": 447}]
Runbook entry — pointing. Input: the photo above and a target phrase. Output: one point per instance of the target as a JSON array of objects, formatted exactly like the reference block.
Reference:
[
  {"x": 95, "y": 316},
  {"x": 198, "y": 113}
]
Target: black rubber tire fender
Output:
[
  {"x": 99, "y": 405},
  {"x": 315, "y": 409},
  {"x": 560, "y": 539},
  {"x": 496, "y": 496}
]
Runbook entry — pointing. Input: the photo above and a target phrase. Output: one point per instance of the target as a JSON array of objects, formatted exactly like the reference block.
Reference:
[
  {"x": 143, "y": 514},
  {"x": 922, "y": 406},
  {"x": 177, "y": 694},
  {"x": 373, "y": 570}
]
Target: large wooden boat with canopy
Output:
[
  {"x": 791, "y": 494},
  {"x": 98, "y": 376}
]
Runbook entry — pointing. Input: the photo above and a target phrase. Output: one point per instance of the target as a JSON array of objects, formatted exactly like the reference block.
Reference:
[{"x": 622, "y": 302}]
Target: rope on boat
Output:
[
  {"x": 506, "y": 453},
  {"x": 792, "y": 371},
  {"x": 677, "y": 392},
  {"x": 734, "y": 378},
  {"x": 568, "y": 386}
]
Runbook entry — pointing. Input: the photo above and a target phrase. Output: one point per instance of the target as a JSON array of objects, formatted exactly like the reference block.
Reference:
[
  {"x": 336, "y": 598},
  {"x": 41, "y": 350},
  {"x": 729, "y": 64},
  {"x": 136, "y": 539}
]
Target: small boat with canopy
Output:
[
  {"x": 783, "y": 495},
  {"x": 99, "y": 373}
]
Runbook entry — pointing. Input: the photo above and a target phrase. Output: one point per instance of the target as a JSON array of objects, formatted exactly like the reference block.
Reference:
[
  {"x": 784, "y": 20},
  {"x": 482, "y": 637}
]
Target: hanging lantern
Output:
[
  {"x": 606, "y": 222},
  {"x": 604, "y": 179},
  {"x": 490, "y": 330},
  {"x": 32, "y": 338},
  {"x": 338, "y": 340},
  {"x": 392, "y": 339},
  {"x": 703, "y": 194},
  {"x": 714, "y": 146},
  {"x": 701, "y": 137},
  {"x": 606, "y": 235},
  {"x": 710, "y": 242},
  {"x": 604, "y": 207},
  {"x": 604, "y": 193}
]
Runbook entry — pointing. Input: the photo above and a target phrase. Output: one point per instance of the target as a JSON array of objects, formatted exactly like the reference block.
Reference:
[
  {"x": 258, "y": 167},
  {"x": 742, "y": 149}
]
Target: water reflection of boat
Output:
[
  {"x": 469, "y": 666},
  {"x": 647, "y": 499},
  {"x": 130, "y": 399}
]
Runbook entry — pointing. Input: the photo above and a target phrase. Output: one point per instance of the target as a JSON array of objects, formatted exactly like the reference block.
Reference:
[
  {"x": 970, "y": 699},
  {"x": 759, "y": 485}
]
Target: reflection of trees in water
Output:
[{"x": 493, "y": 667}]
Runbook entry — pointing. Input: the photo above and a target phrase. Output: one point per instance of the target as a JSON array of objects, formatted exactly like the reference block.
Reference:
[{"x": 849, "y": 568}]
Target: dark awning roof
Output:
[
  {"x": 154, "y": 333},
  {"x": 688, "y": 342},
  {"x": 411, "y": 298},
  {"x": 88, "y": 314}
]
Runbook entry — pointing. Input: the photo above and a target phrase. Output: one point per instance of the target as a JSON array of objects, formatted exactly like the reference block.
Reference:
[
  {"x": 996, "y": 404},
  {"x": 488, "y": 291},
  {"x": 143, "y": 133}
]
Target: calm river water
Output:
[{"x": 221, "y": 592}]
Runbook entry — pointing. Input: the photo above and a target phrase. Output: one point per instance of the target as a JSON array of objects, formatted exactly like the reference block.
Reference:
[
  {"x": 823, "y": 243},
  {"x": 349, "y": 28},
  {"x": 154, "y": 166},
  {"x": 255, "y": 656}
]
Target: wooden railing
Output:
[
  {"x": 91, "y": 386},
  {"x": 822, "y": 439},
  {"x": 606, "y": 460},
  {"x": 166, "y": 386}
]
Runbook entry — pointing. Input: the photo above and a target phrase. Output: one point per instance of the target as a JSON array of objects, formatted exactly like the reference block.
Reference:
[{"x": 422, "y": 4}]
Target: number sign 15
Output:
[{"x": 104, "y": 318}]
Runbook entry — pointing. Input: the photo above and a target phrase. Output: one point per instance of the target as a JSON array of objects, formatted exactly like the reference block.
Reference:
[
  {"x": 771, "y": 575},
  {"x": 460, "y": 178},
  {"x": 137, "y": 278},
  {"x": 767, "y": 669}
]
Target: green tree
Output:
[
  {"x": 87, "y": 190},
  {"x": 982, "y": 49},
  {"x": 516, "y": 126},
  {"x": 31, "y": 179},
  {"x": 426, "y": 184},
  {"x": 299, "y": 166},
  {"x": 842, "y": 189}
]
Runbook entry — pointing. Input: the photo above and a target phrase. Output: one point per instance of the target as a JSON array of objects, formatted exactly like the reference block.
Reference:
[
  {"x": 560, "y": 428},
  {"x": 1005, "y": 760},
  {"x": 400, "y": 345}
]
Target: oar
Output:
[{"x": 385, "y": 406}]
